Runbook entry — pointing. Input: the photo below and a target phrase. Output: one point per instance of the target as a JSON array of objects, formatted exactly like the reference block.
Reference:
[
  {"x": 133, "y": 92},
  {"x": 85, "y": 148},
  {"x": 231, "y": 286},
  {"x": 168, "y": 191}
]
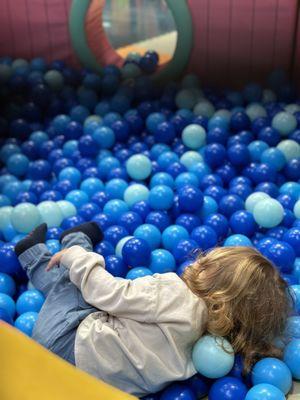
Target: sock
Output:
[
  {"x": 91, "y": 229},
  {"x": 37, "y": 235}
]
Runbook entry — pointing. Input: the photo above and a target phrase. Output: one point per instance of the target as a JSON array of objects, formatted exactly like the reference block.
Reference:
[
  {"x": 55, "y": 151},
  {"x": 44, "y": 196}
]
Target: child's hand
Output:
[{"x": 55, "y": 260}]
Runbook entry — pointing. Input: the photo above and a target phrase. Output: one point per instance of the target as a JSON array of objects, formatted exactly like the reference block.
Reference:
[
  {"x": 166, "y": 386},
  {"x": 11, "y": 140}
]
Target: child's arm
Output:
[{"x": 130, "y": 299}]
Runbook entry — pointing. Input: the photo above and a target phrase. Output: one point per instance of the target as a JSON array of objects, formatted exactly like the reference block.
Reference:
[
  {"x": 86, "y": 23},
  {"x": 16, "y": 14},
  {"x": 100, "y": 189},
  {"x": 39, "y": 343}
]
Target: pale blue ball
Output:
[
  {"x": 268, "y": 213},
  {"x": 5, "y": 215},
  {"x": 297, "y": 209},
  {"x": 135, "y": 193},
  {"x": 67, "y": 208},
  {"x": 191, "y": 158},
  {"x": 290, "y": 149},
  {"x": 237, "y": 240},
  {"x": 50, "y": 213},
  {"x": 25, "y": 217},
  {"x": 253, "y": 199},
  {"x": 139, "y": 167},
  {"x": 213, "y": 356},
  {"x": 193, "y": 136},
  {"x": 284, "y": 122}
]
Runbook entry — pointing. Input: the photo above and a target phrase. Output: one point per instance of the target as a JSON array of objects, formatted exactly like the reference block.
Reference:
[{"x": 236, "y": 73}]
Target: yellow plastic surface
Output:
[{"x": 30, "y": 372}]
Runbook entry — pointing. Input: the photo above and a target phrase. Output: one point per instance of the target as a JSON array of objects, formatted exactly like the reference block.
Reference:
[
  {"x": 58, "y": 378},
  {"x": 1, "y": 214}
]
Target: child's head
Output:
[{"x": 246, "y": 298}]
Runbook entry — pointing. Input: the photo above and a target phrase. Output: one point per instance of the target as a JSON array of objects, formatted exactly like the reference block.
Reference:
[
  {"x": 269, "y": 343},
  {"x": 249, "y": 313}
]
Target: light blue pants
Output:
[{"x": 64, "y": 307}]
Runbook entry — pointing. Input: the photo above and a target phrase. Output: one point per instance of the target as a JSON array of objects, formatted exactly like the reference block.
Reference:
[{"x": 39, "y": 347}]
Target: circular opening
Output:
[{"x": 140, "y": 25}]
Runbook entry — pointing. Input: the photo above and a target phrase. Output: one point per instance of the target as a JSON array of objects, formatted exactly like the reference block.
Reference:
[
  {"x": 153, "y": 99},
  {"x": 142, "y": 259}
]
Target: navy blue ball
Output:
[
  {"x": 216, "y": 192},
  {"x": 239, "y": 121},
  {"x": 88, "y": 211},
  {"x": 27, "y": 197},
  {"x": 130, "y": 221},
  {"x": 100, "y": 198},
  {"x": 114, "y": 234},
  {"x": 269, "y": 135},
  {"x": 71, "y": 222},
  {"x": 51, "y": 195},
  {"x": 238, "y": 155},
  {"x": 215, "y": 154},
  {"x": 115, "y": 266},
  {"x": 160, "y": 219},
  {"x": 230, "y": 203},
  {"x": 102, "y": 220},
  {"x": 136, "y": 252},
  {"x": 218, "y": 223},
  {"x": 87, "y": 146},
  {"x": 54, "y": 233},
  {"x": 243, "y": 222},
  {"x": 142, "y": 208},
  {"x": 105, "y": 249}
]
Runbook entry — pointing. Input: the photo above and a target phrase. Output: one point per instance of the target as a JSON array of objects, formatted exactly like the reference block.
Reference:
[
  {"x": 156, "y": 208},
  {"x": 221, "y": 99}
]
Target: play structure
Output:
[
  {"x": 226, "y": 42},
  {"x": 167, "y": 157}
]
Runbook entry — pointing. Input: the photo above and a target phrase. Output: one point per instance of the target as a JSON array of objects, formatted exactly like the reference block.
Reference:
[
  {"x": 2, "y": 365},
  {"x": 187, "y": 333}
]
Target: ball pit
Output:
[{"x": 165, "y": 172}]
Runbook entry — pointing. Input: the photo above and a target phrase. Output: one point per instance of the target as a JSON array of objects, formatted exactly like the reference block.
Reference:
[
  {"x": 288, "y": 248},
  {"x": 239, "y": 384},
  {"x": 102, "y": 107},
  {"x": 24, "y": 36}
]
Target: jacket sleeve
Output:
[{"x": 133, "y": 299}]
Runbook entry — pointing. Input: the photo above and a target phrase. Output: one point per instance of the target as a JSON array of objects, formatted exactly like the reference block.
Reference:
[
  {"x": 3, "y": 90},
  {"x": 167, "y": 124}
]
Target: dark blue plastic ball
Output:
[
  {"x": 238, "y": 155},
  {"x": 243, "y": 222},
  {"x": 204, "y": 236},
  {"x": 228, "y": 388},
  {"x": 130, "y": 221},
  {"x": 215, "y": 154},
  {"x": 115, "y": 233},
  {"x": 218, "y": 223},
  {"x": 71, "y": 222},
  {"x": 239, "y": 121},
  {"x": 230, "y": 203},
  {"x": 54, "y": 233},
  {"x": 136, "y": 252},
  {"x": 105, "y": 249},
  {"x": 269, "y": 135},
  {"x": 190, "y": 198},
  {"x": 184, "y": 249},
  {"x": 115, "y": 266}
]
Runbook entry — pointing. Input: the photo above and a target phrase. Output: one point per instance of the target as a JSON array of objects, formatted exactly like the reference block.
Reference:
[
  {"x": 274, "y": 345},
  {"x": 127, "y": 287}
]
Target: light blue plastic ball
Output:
[
  {"x": 290, "y": 149},
  {"x": 77, "y": 197},
  {"x": 53, "y": 246},
  {"x": 54, "y": 79},
  {"x": 264, "y": 391},
  {"x": 185, "y": 98},
  {"x": 213, "y": 356},
  {"x": 50, "y": 213},
  {"x": 7, "y": 284},
  {"x": 71, "y": 174},
  {"x": 284, "y": 122},
  {"x": 255, "y": 198},
  {"x": 138, "y": 272},
  {"x": 291, "y": 357},
  {"x": 67, "y": 208},
  {"x": 69, "y": 148},
  {"x": 191, "y": 158},
  {"x": 25, "y": 217},
  {"x": 161, "y": 197},
  {"x": 273, "y": 157},
  {"x": 114, "y": 209},
  {"x": 291, "y": 188},
  {"x": 139, "y": 167},
  {"x": 115, "y": 188},
  {"x": 204, "y": 108},
  {"x": 26, "y": 322},
  {"x": 104, "y": 136},
  {"x": 7, "y": 303},
  {"x": 256, "y": 149},
  {"x": 194, "y": 136},
  {"x": 273, "y": 371},
  {"x": 150, "y": 234},
  {"x": 136, "y": 193},
  {"x": 297, "y": 209},
  {"x": 237, "y": 240},
  {"x": 30, "y": 300},
  {"x": 186, "y": 178},
  {"x": 39, "y": 137},
  {"x": 17, "y": 164},
  {"x": 268, "y": 213},
  {"x": 162, "y": 178},
  {"x": 5, "y": 214},
  {"x": 91, "y": 185},
  {"x": 172, "y": 235},
  {"x": 209, "y": 206},
  {"x": 162, "y": 261}
]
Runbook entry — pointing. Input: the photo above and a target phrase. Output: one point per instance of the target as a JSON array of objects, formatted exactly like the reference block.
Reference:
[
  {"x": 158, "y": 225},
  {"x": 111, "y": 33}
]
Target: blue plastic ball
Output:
[
  {"x": 26, "y": 322},
  {"x": 237, "y": 240},
  {"x": 138, "y": 272},
  {"x": 291, "y": 357},
  {"x": 162, "y": 261},
  {"x": 274, "y": 372},
  {"x": 204, "y": 236},
  {"x": 113, "y": 234},
  {"x": 17, "y": 164},
  {"x": 161, "y": 197},
  {"x": 115, "y": 266},
  {"x": 77, "y": 197},
  {"x": 268, "y": 213},
  {"x": 228, "y": 388},
  {"x": 177, "y": 391},
  {"x": 264, "y": 391},
  {"x": 213, "y": 356},
  {"x": 7, "y": 304},
  {"x": 136, "y": 252},
  {"x": 31, "y": 300},
  {"x": 7, "y": 284},
  {"x": 114, "y": 209},
  {"x": 172, "y": 235}
]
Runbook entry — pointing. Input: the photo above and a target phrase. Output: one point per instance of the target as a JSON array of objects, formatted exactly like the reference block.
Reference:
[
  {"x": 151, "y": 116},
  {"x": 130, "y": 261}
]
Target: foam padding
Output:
[{"x": 30, "y": 372}]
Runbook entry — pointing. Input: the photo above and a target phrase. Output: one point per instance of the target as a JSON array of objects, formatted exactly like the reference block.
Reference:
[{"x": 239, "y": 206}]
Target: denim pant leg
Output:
[{"x": 64, "y": 307}]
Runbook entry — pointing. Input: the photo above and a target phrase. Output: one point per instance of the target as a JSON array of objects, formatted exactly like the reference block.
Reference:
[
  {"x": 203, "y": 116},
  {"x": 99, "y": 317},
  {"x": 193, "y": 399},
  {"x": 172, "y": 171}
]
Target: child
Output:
[{"x": 138, "y": 335}]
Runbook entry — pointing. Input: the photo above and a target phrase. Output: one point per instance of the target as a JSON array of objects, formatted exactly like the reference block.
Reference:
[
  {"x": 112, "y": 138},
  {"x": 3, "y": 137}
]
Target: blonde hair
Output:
[{"x": 247, "y": 300}]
